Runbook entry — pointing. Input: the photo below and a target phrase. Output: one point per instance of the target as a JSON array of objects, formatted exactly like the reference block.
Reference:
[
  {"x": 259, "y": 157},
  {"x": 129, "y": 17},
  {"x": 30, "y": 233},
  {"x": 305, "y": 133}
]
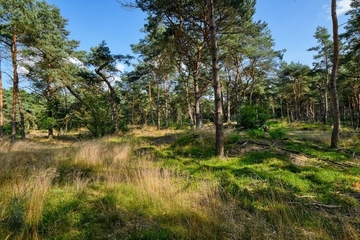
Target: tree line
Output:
[{"x": 199, "y": 62}]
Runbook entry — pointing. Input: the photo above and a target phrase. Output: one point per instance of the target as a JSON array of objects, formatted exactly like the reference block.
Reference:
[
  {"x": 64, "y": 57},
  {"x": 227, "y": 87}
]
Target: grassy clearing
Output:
[{"x": 167, "y": 185}]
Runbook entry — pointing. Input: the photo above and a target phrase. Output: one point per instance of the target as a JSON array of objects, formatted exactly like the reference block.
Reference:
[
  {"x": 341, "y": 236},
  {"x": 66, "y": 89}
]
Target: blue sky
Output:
[{"x": 291, "y": 22}]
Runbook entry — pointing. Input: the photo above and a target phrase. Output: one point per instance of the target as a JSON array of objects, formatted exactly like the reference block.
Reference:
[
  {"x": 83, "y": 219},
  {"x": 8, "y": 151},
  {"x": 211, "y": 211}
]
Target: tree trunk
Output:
[
  {"x": 166, "y": 117},
  {"x": 219, "y": 127},
  {"x": 335, "y": 100},
  {"x": 158, "y": 122},
  {"x": 15, "y": 85},
  {"x": 49, "y": 106},
  {"x": 197, "y": 98},
  {"x": 22, "y": 117},
  {"x": 326, "y": 102},
  {"x": 228, "y": 103},
  {"x": 151, "y": 105},
  {"x": 190, "y": 110},
  {"x": 1, "y": 104}
]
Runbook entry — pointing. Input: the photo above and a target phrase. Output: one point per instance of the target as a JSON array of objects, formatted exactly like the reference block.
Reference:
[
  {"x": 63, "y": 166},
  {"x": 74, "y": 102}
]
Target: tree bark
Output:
[
  {"x": 22, "y": 116},
  {"x": 326, "y": 102},
  {"x": 218, "y": 118},
  {"x": 166, "y": 117},
  {"x": 1, "y": 104},
  {"x": 190, "y": 109},
  {"x": 158, "y": 115},
  {"x": 49, "y": 106},
  {"x": 335, "y": 100},
  {"x": 15, "y": 85},
  {"x": 151, "y": 105}
]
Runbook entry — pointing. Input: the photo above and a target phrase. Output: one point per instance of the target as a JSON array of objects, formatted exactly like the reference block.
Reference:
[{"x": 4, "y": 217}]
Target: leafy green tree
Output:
[
  {"x": 219, "y": 127},
  {"x": 252, "y": 117},
  {"x": 104, "y": 63},
  {"x": 16, "y": 18},
  {"x": 322, "y": 66},
  {"x": 202, "y": 19},
  {"x": 47, "y": 49},
  {"x": 295, "y": 88},
  {"x": 350, "y": 70}
]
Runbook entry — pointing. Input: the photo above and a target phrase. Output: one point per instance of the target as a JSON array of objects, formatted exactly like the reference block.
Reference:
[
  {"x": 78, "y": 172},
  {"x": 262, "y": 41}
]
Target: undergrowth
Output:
[{"x": 284, "y": 184}]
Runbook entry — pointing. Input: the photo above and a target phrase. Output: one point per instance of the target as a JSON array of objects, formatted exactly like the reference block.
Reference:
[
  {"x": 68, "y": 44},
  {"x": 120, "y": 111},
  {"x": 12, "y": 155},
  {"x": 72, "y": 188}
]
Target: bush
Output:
[
  {"x": 252, "y": 117},
  {"x": 255, "y": 133},
  {"x": 278, "y": 133}
]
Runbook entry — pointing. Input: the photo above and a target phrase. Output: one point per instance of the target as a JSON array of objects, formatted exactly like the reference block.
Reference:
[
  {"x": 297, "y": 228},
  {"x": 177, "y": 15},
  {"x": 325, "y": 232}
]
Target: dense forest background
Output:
[{"x": 173, "y": 84}]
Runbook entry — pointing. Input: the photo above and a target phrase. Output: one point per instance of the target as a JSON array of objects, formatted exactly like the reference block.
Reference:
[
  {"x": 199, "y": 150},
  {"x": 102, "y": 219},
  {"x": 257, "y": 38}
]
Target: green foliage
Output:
[
  {"x": 194, "y": 145},
  {"x": 234, "y": 137},
  {"x": 278, "y": 133},
  {"x": 255, "y": 133},
  {"x": 15, "y": 213},
  {"x": 145, "y": 196},
  {"x": 252, "y": 117},
  {"x": 47, "y": 122}
]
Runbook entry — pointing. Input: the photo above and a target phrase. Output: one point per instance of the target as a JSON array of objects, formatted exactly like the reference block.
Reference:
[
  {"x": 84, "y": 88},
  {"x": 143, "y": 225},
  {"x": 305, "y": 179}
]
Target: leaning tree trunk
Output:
[
  {"x": 334, "y": 94},
  {"x": 218, "y": 118}
]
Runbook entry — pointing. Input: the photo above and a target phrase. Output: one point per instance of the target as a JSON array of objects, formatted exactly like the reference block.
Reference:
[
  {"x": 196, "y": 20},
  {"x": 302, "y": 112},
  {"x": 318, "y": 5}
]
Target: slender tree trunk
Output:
[
  {"x": 335, "y": 100},
  {"x": 22, "y": 116},
  {"x": 197, "y": 98},
  {"x": 228, "y": 98},
  {"x": 49, "y": 107},
  {"x": 15, "y": 85},
  {"x": 166, "y": 117},
  {"x": 190, "y": 109},
  {"x": 198, "y": 117},
  {"x": 1, "y": 104},
  {"x": 151, "y": 105},
  {"x": 228, "y": 102},
  {"x": 326, "y": 101},
  {"x": 219, "y": 127},
  {"x": 158, "y": 125}
]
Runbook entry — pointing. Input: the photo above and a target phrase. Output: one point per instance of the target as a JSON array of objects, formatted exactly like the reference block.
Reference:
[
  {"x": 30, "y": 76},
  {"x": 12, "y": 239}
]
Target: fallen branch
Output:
[{"x": 319, "y": 205}]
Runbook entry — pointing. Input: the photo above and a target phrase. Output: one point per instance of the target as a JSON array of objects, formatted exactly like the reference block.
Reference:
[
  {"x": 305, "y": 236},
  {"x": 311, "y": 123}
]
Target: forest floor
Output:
[{"x": 166, "y": 184}]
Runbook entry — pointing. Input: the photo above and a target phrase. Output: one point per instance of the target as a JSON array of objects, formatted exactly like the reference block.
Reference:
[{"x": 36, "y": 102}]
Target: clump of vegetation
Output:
[
  {"x": 255, "y": 133},
  {"x": 278, "y": 133},
  {"x": 252, "y": 117}
]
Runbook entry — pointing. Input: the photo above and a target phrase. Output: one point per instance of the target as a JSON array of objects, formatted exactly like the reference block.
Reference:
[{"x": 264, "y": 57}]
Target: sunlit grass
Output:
[{"x": 169, "y": 186}]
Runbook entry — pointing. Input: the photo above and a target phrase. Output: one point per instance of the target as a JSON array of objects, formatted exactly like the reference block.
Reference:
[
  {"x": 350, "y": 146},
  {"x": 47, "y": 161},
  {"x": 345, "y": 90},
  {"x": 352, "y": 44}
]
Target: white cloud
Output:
[
  {"x": 343, "y": 6},
  {"x": 75, "y": 61},
  {"x": 22, "y": 71},
  {"x": 120, "y": 67}
]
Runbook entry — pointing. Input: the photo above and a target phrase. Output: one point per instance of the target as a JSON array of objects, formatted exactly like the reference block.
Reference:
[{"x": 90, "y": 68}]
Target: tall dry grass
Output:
[{"x": 190, "y": 207}]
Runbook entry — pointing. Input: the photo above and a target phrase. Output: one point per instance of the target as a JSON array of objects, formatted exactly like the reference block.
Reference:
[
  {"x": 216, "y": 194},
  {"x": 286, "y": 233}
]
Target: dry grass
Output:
[{"x": 145, "y": 197}]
